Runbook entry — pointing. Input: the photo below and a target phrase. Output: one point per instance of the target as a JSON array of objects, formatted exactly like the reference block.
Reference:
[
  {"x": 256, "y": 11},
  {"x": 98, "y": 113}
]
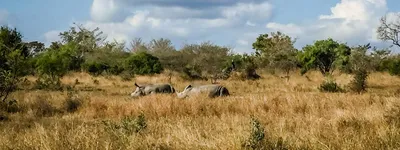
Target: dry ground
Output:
[{"x": 295, "y": 112}]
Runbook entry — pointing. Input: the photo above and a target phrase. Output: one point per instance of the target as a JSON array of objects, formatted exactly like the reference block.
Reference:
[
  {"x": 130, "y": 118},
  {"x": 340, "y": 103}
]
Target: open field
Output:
[{"x": 295, "y": 112}]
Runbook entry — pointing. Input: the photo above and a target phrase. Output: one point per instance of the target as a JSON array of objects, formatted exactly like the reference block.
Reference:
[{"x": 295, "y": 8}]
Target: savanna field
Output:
[{"x": 270, "y": 113}]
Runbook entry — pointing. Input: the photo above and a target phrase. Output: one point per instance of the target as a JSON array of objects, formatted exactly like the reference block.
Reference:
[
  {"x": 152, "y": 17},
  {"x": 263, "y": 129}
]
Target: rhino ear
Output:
[{"x": 189, "y": 86}]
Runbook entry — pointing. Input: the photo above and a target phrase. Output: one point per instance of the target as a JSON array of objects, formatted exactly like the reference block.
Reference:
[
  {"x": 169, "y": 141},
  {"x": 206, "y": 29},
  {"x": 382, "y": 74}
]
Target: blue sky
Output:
[{"x": 234, "y": 23}]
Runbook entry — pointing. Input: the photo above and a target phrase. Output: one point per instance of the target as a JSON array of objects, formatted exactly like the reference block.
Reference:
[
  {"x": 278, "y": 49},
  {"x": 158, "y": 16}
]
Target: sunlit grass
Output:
[{"x": 295, "y": 111}]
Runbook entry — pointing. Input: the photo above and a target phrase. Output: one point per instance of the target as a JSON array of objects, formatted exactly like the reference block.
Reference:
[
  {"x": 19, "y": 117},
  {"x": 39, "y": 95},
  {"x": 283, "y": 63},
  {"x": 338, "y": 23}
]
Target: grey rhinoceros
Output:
[
  {"x": 152, "y": 89},
  {"x": 213, "y": 90}
]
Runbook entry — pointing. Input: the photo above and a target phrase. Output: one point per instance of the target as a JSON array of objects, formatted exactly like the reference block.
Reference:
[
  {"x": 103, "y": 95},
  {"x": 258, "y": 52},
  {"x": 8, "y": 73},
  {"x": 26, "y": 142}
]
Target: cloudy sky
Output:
[{"x": 234, "y": 23}]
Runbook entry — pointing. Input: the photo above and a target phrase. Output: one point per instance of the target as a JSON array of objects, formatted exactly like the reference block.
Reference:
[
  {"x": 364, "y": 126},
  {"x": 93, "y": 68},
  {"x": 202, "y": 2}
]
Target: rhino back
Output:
[{"x": 159, "y": 88}]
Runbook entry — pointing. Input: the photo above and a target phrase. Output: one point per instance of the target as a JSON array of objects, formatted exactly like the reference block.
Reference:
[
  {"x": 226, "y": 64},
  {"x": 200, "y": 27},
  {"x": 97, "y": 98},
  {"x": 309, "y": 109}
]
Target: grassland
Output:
[{"x": 293, "y": 115}]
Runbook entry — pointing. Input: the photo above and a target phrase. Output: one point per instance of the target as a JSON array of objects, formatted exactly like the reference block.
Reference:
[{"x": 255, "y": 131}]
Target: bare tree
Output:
[
  {"x": 137, "y": 45},
  {"x": 389, "y": 30}
]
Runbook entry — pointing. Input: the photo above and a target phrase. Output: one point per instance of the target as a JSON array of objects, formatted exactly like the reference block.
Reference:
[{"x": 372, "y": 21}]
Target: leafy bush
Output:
[
  {"x": 255, "y": 141},
  {"x": 394, "y": 67},
  {"x": 11, "y": 106},
  {"x": 95, "y": 68},
  {"x": 51, "y": 66},
  {"x": 359, "y": 83},
  {"x": 44, "y": 108},
  {"x": 72, "y": 103},
  {"x": 324, "y": 55},
  {"x": 143, "y": 63},
  {"x": 330, "y": 86},
  {"x": 192, "y": 72},
  {"x": 127, "y": 126}
]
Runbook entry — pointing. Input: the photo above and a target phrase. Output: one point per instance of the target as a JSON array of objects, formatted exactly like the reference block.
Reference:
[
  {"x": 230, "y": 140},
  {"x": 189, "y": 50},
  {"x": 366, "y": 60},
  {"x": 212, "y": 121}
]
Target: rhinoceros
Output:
[
  {"x": 152, "y": 89},
  {"x": 213, "y": 90}
]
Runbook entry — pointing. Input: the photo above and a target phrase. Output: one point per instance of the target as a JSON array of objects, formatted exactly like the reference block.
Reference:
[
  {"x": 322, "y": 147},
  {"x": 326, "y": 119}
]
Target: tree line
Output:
[{"x": 84, "y": 50}]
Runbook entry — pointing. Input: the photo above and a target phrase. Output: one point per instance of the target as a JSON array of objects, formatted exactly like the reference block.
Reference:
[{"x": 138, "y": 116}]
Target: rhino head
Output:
[
  {"x": 185, "y": 91},
  {"x": 139, "y": 91}
]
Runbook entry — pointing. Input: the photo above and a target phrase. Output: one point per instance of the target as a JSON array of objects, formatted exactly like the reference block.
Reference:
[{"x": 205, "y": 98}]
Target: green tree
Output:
[
  {"x": 324, "y": 55},
  {"x": 84, "y": 40},
  {"x": 359, "y": 60},
  {"x": 143, "y": 63},
  {"x": 52, "y": 65},
  {"x": 210, "y": 59},
  {"x": 107, "y": 59},
  {"x": 380, "y": 59},
  {"x": 13, "y": 59},
  {"x": 10, "y": 76},
  {"x": 276, "y": 51},
  {"x": 394, "y": 67}
]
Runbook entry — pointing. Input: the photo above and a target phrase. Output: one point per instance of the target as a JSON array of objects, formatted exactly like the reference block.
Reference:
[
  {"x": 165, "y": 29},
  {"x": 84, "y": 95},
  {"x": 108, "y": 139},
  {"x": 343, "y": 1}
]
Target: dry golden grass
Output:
[{"x": 295, "y": 111}]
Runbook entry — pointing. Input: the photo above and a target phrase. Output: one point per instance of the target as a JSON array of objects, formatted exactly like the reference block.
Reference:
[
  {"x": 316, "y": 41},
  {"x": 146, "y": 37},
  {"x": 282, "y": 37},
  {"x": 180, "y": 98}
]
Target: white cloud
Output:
[
  {"x": 290, "y": 29},
  {"x": 243, "y": 42},
  {"x": 351, "y": 21},
  {"x": 104, "y": 10},
  {"x": 180, "y": 22},
  {"x": 249, "y": 11},
  {"x": 3, "y": 16},
  {"x": 249, "y": 23},
  {"x": 51, "y": 36}
]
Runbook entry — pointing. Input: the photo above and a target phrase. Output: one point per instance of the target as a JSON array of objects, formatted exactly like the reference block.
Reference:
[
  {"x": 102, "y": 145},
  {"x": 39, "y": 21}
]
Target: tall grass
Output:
[{"x": 292, "y": 115}]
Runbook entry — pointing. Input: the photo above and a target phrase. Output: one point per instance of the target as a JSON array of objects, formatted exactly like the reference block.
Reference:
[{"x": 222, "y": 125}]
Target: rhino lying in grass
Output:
[
  {"x": 213, "y": 90},
  {"x": 152, "y": 89}
]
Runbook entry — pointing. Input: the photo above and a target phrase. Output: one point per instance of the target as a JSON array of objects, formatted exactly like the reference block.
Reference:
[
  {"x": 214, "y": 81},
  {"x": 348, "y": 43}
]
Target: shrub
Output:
[
  {"x": 95, "y": 68},
  {"x": 143, "y": 63},
  {"x": 45, "y": 82},
  {"x": 11, "y": 106},
  {"x": 128, "y": 125},
  {"x": 43, "y": 108},
  {"x": 330, "y": 86},
  {"x": 72, "y": 103},
  {"x": 394, "y": 67},
  {"x": 359, "y": 83},
  {"x": 255, "y": 141},
  {"x": 192, "y": 72},
  {"x": 125, "y": 76},
  {"x": 51, "y": 66}
]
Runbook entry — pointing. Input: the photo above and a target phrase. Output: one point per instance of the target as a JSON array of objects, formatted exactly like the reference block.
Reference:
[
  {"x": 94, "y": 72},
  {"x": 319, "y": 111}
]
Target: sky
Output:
[{"x": 233, "y": 23}]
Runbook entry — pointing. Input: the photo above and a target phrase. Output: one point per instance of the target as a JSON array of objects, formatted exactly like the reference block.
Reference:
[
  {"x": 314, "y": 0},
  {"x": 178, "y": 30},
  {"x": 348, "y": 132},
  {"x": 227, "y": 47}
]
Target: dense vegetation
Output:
[{"x": 83, "y": 50}]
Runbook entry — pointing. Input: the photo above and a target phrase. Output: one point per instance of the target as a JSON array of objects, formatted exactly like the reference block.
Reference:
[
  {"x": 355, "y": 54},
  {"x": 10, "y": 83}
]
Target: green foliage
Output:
[
  {"x": 359, "y": 83},
  {"x": 192, "y": 72},
  {"x": 11, "y": 106},
  {"x": 143, "y": 63},
  {"x": 206, "y": 59},
  {"x": 358, "y": 60},
  {"x": 95, "y": 68},
  {"x": 324, "y": 55},
  {"x": 276, "y": 51},
  {"x": 255, "y": 141},
  {"x": 330, "y": 85},
  {"x": 51, "y": 66},
  {"x": 394, "y": 67},
  {"x": 380, "y": 59},
  {"x": 127, "y": 126},
  {"x": 13, "y": 60},
  {"x": 107, "y": 59}
]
